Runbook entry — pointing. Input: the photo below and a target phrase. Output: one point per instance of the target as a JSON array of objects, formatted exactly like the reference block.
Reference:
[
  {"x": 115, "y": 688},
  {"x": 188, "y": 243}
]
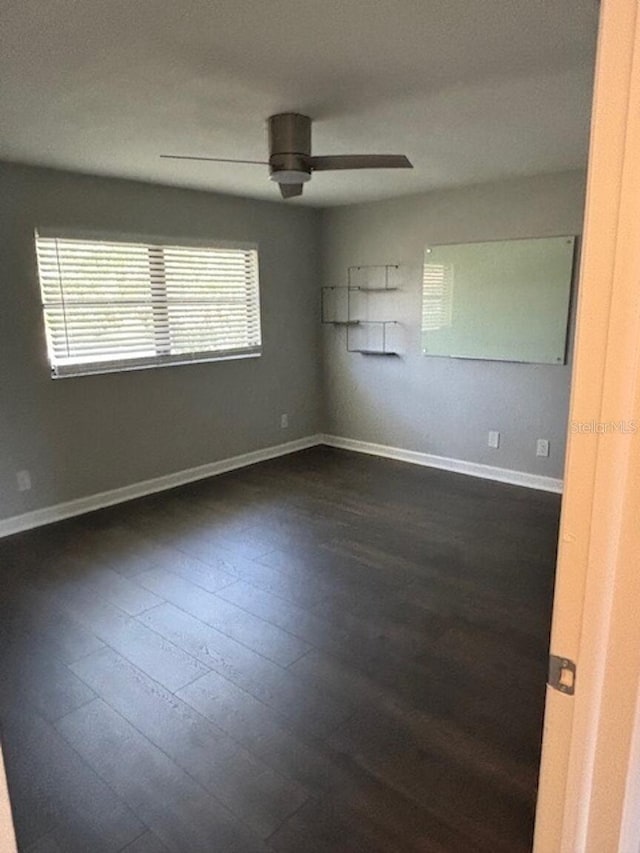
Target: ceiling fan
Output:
[{"x": 290, "y": 162}]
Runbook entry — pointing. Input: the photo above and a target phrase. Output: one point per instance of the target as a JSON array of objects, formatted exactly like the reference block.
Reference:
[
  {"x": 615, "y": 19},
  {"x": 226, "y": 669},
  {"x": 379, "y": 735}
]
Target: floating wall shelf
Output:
[
  {"x": 366, "y": 336},
  {"x": 373, "y": 289},
  {"x": 373, "y": 278},
  {"x": 335, "y": 307},
  {"x": 372, "y": 337}
]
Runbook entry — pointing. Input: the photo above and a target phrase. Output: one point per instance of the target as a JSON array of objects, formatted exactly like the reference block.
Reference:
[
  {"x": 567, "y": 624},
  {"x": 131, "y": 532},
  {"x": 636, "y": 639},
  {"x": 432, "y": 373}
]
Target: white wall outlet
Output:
[
  {"x": 542, "y": 447},
  {"x": 23, "y": 479},
  {"x": 284, "y": 421},
  {"x": 494, "y": 438}
]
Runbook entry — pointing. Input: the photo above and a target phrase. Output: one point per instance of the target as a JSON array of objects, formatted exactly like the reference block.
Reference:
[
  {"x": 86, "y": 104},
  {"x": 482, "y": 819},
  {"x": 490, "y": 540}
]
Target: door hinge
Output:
[{"x": 562, "y": 674}]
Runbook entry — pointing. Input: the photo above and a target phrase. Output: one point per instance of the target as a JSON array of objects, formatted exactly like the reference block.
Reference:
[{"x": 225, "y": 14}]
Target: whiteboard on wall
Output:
[{"x": 504, "y": 300}]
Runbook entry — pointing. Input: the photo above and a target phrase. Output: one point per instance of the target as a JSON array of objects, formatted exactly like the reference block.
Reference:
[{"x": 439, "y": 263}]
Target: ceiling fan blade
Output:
[
  {"x": 290, "y": 190},
  {"x": 359, "y": 161},
  {"x": 214, "y": 159}
]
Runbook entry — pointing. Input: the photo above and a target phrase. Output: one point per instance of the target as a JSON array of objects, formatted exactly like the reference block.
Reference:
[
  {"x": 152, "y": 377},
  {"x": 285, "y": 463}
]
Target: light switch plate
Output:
[{"x": 542, "y": 447}]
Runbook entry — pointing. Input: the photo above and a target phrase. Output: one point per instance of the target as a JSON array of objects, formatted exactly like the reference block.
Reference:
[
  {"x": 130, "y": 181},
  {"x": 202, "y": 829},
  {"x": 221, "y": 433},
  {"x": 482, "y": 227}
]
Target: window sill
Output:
[{"x": 100, "y": 369}]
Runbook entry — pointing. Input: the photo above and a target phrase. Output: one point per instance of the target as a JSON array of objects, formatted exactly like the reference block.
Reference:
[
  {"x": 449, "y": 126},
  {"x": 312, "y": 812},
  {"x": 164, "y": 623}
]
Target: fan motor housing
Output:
[{"x": 289, "y": 145}]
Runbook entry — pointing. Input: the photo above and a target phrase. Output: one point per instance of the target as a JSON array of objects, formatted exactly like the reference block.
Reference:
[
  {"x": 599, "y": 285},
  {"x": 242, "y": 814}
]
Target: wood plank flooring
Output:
[{"x": 328, "y": 653}]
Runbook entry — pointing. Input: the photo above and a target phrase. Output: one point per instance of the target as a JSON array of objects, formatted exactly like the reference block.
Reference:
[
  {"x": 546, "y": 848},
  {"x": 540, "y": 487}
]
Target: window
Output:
[{"x": 115, "y": 305}]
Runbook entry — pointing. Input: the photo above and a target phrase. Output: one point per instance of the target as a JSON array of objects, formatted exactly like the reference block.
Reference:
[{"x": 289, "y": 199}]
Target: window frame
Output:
[{"x": 125, "y": 365}]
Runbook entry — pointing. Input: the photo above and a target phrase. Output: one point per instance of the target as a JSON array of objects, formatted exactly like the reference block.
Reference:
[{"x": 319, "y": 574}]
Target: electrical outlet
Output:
[
  {"x": 542, "y": 447},
  {"x": 23, "y": 479},
  {"x": 494, "y": 439},
  {"x": 284, "y": 421}
]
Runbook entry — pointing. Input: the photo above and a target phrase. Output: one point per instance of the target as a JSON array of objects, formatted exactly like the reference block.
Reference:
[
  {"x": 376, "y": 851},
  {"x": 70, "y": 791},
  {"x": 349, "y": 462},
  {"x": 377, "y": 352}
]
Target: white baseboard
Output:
[
  {"x": 58, "y": 512},
  {"x": 429, "y": 460},
  {"x": 47, "y": 515}
]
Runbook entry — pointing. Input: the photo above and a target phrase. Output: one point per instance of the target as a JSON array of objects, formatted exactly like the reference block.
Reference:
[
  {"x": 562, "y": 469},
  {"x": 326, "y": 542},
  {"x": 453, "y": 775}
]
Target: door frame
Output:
[{"x": 589, "y": 792}]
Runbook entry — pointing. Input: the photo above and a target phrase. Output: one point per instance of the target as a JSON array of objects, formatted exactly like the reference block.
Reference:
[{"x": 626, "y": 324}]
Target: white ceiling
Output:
[{"x": 470, "y": 90}]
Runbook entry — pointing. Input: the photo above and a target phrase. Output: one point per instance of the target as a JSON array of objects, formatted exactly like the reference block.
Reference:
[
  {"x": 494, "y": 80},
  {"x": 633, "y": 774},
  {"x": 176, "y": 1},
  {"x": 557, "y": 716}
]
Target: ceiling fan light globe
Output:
[{"x": 290, "y": 176}]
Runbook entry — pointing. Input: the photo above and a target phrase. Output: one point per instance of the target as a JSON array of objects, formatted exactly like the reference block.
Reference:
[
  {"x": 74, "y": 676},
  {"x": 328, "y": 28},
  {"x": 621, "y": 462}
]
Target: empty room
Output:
[{"x": 288, "y": 309}]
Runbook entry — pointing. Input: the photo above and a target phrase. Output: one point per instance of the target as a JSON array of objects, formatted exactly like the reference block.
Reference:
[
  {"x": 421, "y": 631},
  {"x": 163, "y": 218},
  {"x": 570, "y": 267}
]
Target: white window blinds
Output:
[{"x": 111, "y": 305}]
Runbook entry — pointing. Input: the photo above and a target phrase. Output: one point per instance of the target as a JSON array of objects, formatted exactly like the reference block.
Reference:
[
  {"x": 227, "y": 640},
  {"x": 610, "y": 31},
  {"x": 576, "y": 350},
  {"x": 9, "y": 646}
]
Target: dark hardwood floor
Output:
[{"x": 325, "y": 652}]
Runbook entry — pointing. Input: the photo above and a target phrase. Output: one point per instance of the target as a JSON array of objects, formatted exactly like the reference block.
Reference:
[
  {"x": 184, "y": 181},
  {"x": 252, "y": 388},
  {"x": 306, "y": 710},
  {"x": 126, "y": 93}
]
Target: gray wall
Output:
[
  {"x": 437, "y": 405},
  {"x": 87, "y": 434}
]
